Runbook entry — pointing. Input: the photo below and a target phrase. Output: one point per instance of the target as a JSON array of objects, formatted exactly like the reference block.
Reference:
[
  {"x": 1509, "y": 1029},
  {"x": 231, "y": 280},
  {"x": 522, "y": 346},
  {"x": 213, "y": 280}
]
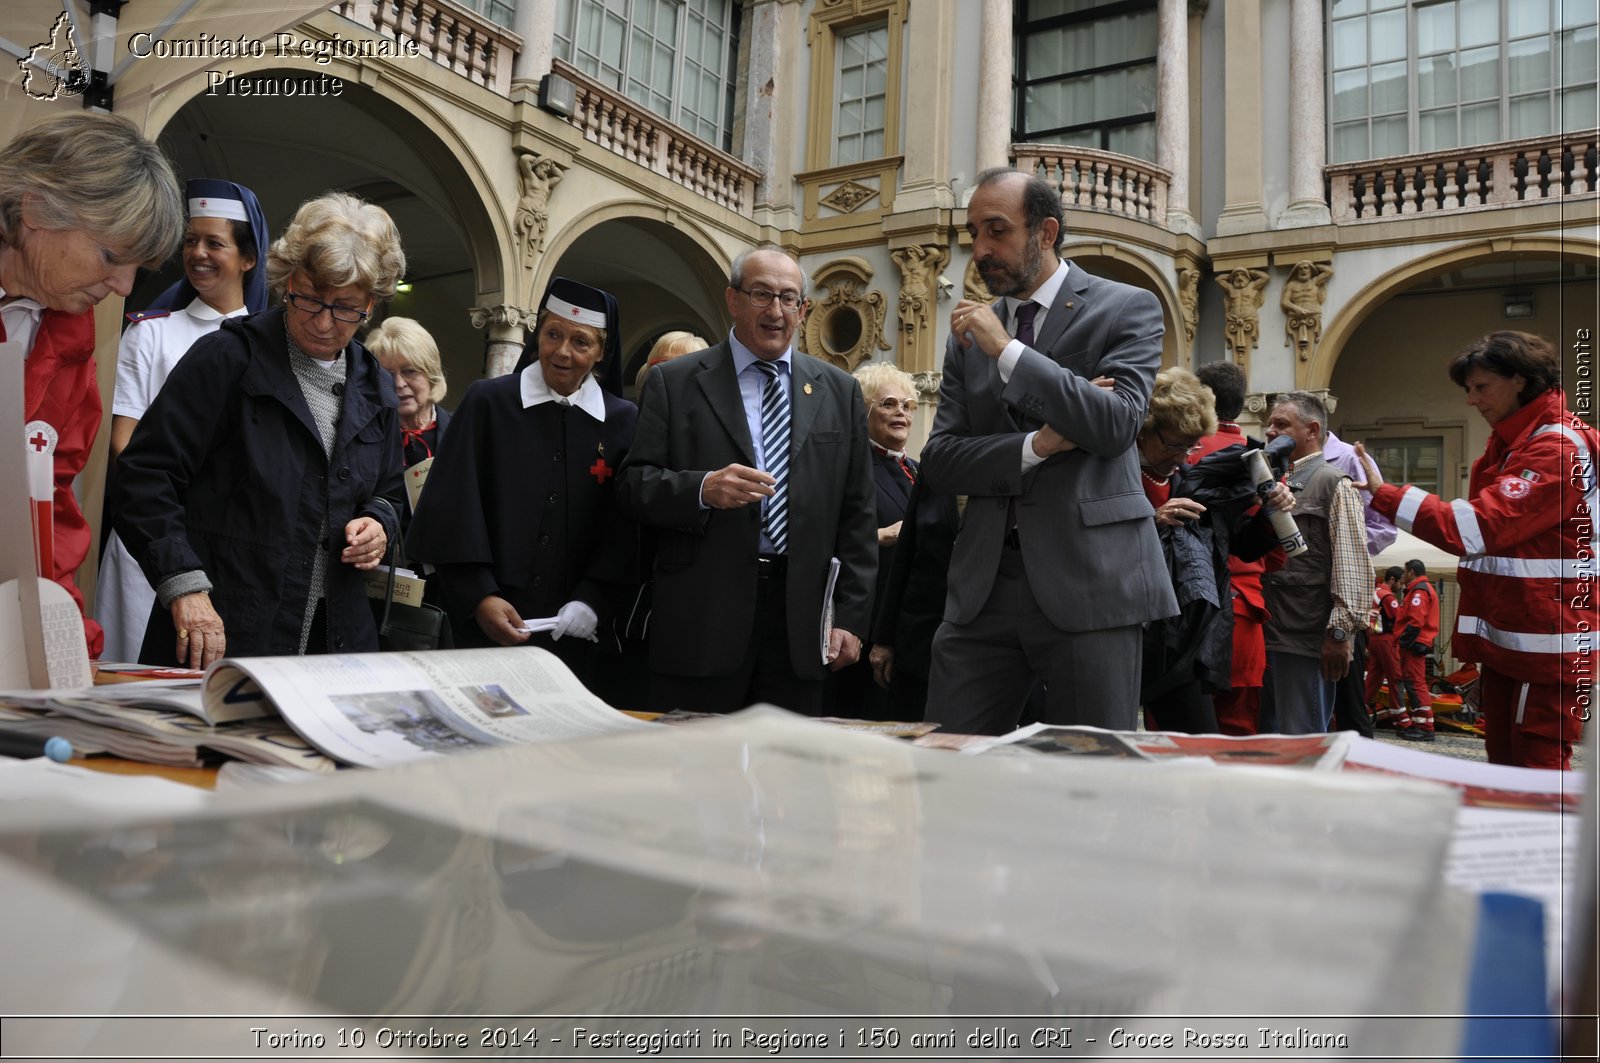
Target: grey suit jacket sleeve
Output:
[
  {"x": 959, "y": 457},
  {"x": 1101, "y": 422}
]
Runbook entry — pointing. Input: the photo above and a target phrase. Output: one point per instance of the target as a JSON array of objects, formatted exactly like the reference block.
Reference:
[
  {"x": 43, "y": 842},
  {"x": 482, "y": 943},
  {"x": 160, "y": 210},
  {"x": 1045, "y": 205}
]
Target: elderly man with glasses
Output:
[{"x": 751, "y": 465}]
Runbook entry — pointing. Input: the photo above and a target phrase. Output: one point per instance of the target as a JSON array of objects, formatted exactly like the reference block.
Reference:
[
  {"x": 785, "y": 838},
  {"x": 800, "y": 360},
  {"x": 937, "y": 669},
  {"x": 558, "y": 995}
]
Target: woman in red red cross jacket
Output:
[
  {"x": 1525, "y": 535},
  {"x": 85, "y": 200}
]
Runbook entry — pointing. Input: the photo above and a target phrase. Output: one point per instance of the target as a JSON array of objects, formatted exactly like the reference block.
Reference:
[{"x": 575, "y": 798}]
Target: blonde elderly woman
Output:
[
  {"x": 668, "y": 345},
  {"x": 85, "y": 200},
  {"x": 890, "y": 395},
  {"x": 408, "y": 352},
  {"x": 1205, "y": 511},
  {"x": 266, "y": 475}
]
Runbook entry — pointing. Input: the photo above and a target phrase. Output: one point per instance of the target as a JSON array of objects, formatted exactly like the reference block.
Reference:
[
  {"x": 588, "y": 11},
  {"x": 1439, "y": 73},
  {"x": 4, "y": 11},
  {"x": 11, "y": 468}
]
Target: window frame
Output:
[
  {"x": 1413, "y": 59},
  {"x": 824, "y": 32},
  {"x": 1023, "y": 27},
  {"x": 566, "y": 45}
]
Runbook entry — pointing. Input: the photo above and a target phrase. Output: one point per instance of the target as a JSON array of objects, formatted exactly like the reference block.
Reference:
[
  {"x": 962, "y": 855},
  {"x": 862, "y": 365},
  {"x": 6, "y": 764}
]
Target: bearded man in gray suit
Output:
[{"x": 1057, "y": 566}]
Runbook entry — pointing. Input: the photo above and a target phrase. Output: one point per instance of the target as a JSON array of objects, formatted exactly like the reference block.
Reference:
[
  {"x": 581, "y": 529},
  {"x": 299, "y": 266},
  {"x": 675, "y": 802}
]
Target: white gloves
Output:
[{"x": 576, "y": 619}]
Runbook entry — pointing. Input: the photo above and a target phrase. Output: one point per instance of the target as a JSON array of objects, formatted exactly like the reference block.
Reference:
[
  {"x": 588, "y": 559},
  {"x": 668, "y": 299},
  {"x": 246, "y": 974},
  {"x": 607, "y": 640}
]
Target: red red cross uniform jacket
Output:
[
  {"x": 1417, "y": 618},
  {"x": 60, "y": 389},
  {"x": 1525, "y": 537}
]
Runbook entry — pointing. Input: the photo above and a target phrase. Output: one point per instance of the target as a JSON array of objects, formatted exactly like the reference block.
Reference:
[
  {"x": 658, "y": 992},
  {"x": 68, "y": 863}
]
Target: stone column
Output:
[
  {"x": 769, "y": 81},
  {"x": 995, "y": 66},
  {"x": 1308, "y": 151},
  {"x": 506, "y": 336},
  {"x": 1242, "y": 209},
  {"x": 535, "y": 23},
  {"x": 930, "y": 44},
  {"x": 1172, "y": 110}
]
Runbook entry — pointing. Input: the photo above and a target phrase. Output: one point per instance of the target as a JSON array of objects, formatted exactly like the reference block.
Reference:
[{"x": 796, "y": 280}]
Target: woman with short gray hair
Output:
[
  {"x": 266, "y": 476},
  {"x": 85, "y": 200}
]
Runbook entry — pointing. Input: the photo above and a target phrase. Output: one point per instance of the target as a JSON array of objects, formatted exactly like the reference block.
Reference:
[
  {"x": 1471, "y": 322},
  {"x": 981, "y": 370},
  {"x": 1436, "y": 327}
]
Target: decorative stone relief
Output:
[
  {"x": 1241, "y": 301},
  {"x": 927, "y": 387},
  {"x": 1260, "y": 402},
  {"x": 1189, "y": 302},
  {"x": 1303, "y": 295},
  {"x": 972, "y": 286},
  {"x": 505, "y": 324},
  {"x": 845, "y": 327},
  {"x": 539, "y": 177},
  {"x": 919, "y": 296},
  {"x": 847, "y": 197},
  {"x": 503, "y": 316}
]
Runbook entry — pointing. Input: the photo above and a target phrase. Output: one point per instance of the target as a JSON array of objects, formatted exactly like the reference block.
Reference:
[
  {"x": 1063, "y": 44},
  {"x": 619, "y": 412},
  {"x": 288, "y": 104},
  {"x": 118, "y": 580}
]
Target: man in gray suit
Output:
[
  {"x": 751, "y": 466},
  {"x": 1058, "y": 564}
]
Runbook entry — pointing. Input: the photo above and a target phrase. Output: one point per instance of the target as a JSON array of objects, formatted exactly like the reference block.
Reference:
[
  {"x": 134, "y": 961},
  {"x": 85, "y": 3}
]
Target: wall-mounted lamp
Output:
[
  {"x": 403, "y": 286},
  {"x": 1519, "y": 304},
  {"x": 558, "y": 95}
]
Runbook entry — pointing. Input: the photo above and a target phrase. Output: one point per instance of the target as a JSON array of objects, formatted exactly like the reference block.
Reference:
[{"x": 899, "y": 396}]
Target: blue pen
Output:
[{"x": 19, "y": 744}]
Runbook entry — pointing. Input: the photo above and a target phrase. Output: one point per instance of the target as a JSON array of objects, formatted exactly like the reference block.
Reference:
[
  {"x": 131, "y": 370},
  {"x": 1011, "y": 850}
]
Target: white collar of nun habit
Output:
[{"x": 587, "y": 398}]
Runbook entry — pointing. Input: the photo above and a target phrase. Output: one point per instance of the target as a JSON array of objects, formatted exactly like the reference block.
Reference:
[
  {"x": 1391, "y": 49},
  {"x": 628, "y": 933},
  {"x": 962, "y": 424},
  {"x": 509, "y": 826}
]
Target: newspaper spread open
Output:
[{"x": 376, "y": 709}]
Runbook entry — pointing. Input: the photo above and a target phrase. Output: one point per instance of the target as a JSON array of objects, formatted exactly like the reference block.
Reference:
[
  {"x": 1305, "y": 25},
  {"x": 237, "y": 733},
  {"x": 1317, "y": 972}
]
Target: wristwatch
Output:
[{"x": 1339, "y": 634}]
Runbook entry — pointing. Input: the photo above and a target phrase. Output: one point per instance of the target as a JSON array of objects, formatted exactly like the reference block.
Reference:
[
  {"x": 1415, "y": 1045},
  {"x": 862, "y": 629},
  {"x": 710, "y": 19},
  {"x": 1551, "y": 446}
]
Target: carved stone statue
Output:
[
  {"x": 1303, "y": 295},
  {"x": 1189, "y": 301},
  {"x": 919, "y": 294},
  {"x": 972, "y": 286},
  {"x": 539, "y": 178},
  {"x": 1241, "y": 302}
]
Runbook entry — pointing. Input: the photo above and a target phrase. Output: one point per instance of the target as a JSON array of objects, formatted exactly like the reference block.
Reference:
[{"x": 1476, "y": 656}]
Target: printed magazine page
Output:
[
  {"x": 1320, "y": 751},
  {"x": 378, "y": 709}
]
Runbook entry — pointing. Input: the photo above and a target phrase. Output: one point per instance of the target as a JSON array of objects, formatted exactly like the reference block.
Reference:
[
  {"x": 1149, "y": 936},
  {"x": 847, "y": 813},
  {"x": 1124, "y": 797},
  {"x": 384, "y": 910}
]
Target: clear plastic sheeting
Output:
[{"x": 757, "y": 866}]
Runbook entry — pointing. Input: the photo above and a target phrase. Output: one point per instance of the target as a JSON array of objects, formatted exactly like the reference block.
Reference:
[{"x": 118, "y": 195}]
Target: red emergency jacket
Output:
[
  {"x": 60, "y": 389},
  {"x": 1417, "y": 619},
  {"x": 1387, "y": 607},
  {"x": 1525, "y": 536}
]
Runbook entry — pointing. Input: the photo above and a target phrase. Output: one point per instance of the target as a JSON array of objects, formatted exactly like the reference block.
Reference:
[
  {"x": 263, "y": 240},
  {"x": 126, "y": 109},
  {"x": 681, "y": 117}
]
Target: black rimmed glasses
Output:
[
  {"x": 760, "y": 298},
  {"x": 307, "y": 305}
]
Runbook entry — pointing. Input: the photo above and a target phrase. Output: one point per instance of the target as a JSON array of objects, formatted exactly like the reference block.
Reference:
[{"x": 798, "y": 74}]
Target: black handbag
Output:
[{"x": 402, "y": 627}]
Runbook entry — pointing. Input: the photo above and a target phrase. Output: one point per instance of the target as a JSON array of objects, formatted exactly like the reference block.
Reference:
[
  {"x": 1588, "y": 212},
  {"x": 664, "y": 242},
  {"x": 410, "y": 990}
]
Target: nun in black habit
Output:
[{"x": 517, "y": 516}]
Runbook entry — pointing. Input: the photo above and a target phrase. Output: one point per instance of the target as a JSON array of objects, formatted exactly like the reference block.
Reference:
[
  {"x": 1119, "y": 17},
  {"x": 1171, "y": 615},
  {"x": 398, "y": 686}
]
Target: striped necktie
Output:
[{"x": 775, "y": 451}]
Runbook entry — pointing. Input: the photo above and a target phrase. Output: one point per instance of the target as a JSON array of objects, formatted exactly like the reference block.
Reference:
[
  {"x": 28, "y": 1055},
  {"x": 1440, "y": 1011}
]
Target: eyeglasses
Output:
[
  {"x": 307, "y": 305},
  {"x": 760, "y": 298},
  {"x": 890, "y": 405},
  {"x": 1178, "y": 449}
]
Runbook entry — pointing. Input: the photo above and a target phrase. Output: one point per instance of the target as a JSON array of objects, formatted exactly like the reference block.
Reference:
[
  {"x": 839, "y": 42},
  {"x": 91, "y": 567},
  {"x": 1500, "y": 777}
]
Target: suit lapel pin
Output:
[{"x": 806, "y": 389}]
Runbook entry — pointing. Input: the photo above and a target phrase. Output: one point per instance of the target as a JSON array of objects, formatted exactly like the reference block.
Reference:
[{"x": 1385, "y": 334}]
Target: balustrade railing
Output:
[
  {"x": 449, "y": 34},
  {"x": 1099, "y": 180},
  {"x": 616, "y": 123},
  {"x": 1492, "y": 175}
]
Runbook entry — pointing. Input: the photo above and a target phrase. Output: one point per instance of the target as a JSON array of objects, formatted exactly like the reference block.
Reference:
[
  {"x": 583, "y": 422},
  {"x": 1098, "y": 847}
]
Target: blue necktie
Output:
[{"x": 775, "y": 451}]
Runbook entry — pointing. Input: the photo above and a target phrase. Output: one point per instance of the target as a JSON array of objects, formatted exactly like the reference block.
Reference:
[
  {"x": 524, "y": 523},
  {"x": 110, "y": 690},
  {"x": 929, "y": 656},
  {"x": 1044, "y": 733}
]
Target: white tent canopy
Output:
[{"x": 1407, "y": 546}]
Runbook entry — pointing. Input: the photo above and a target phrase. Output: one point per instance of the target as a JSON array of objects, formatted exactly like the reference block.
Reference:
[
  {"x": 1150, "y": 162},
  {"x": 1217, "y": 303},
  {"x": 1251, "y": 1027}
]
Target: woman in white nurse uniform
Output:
[{"x": 225, "y": 233}]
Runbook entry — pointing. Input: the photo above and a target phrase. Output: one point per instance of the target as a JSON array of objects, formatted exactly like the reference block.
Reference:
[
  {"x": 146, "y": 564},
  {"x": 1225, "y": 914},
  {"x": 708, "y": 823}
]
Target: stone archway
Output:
[
  {"x": 1339, "y": 332},
  {"x": 1117, "y": 263},
  {"x": 398, "y": 153},
  {"x": 666, "y": 275},
  {"x": 1386, "y": 353}
]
